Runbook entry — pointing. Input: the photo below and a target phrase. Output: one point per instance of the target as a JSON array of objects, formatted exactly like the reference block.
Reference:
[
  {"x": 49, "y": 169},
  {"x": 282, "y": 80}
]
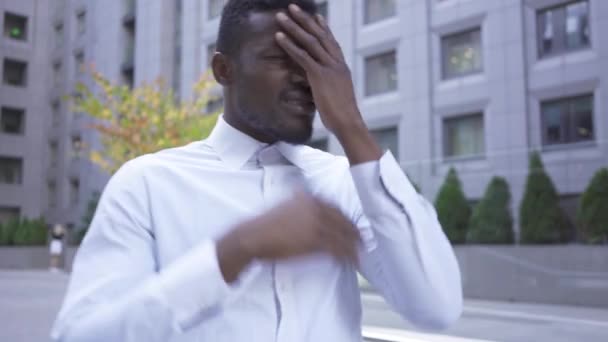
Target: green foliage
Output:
[
  {"x": 453, "y": 209},
  {"x": 592, "y": 215},
  {"x": 542, "y": 221},
  {"x": 145, "y": 119},
  {"x": 79, "y": 234},
  {"x": 23, "y": 232},
  {"x": 491, "y": 221}
]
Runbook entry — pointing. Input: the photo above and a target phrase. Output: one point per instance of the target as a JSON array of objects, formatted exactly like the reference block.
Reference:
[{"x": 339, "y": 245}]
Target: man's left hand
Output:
[{"x": 310, "y": 43}]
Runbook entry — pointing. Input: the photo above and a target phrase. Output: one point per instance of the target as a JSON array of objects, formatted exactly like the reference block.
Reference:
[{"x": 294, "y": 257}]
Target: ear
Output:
[{"x": 223, "y": 68}]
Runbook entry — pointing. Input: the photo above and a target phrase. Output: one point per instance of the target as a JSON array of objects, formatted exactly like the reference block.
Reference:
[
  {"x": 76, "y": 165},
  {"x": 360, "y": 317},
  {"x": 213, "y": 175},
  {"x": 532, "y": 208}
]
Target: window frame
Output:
[
  {"x": 566, "y": 117},
  {"x": 366, "y": 18},
  {"x": 445, "y": 75},
  {"x": 446, "y": 139},
  {"x": 366, "y": 59},
  {"x": 17, "y": 17},
  {"x": 560, "y": 35},
  {"x": 20, "y": 112}
]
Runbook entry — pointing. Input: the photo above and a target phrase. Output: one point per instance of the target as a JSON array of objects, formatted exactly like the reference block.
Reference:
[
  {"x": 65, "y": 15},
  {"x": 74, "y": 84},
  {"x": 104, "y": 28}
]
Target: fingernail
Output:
[
  {"x": 294, "y": 7},
  {"x": 280, "y": 35},
  {"x": 282, "y": 16}
]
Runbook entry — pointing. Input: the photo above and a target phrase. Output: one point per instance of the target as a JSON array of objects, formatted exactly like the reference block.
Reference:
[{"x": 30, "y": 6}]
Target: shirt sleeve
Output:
[
  {"x": 116, "y": 290},
  {"x": 406, "y": 255}
]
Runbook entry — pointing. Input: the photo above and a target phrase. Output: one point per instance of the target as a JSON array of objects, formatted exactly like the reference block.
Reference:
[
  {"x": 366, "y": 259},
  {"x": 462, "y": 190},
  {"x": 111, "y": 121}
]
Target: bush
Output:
[
  {"x": 592, "y": 214},
  {"x": 453, "y": 209},
  {"x": 542, "y": 220},
  {"x": 491, "y": 221},
  {"x": 7, "y": 233},
  {"x": 31, "y": 233}
]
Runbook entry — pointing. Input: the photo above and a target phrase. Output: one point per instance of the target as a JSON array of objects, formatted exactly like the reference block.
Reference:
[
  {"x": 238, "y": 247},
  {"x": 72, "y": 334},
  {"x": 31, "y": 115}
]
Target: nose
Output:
[{"x": 297, "y": 75}]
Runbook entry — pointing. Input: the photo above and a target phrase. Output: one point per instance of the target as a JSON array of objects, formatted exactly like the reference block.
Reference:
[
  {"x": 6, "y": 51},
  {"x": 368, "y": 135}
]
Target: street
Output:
[{"x": 29, "y": 301}]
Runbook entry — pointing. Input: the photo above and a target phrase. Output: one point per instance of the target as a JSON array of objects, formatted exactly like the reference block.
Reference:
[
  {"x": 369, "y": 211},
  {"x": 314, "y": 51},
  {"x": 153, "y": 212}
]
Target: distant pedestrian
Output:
[{"x": 56, "y": 247}]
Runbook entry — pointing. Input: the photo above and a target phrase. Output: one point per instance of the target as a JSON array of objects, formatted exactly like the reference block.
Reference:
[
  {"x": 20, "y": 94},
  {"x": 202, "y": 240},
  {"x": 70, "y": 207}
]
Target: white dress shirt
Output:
[{"x": 147, "y": 269}]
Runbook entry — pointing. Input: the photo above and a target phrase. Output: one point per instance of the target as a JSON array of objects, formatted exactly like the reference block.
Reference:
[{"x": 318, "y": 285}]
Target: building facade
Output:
[{"x": 471, "y": 84}]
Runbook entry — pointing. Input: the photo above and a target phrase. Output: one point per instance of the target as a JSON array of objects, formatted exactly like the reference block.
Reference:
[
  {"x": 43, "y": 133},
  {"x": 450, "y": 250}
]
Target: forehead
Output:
[{"x": 260, "y": 30}]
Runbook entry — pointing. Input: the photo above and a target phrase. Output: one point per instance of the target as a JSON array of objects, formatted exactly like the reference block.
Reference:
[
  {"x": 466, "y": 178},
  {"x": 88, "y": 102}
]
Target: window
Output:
[
  {"x": 568, "y": 120},
  {"x": 11, "y": 170},
  {"x": 12, "y": 121},
  {"x": 79, "y": 63},
  {"x": 376, "y": 10},
  {"x": 380, "y": 73},
  {"x": 74, "y": 191},
  {"x": 320, "y": 144},
  {"x": 81, "y": 23},
  {"x": 464, "y": 136},
  {"x": 210, "y": 52},
  {"x": 53, "y": 153},
  {"x": 15, "y": 26},
  {"x": 59, "y": 35},
  {"x": 563, "y": 28},
  {"x": 461, "y": 54},
  {"x": 323, "y": 10},
  {"x": 215, "y": 8},
  {"x": 9, "y": 213},
  {"x": 15, "y": 73},
  {"x": 56, "y": 109},
  {"x": 57, "y": 73},
  {"x": 76, "y": 146},
  {"x": 387, "y": 139},
  {"x": 52, "y": 193}
]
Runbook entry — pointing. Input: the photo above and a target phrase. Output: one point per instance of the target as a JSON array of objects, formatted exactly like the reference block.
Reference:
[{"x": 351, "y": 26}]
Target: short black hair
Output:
[{"x": 236, "y": 12}]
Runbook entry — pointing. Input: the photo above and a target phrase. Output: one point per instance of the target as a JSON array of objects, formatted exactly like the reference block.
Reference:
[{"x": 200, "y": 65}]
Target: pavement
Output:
[{"x": 29, "y": 301}]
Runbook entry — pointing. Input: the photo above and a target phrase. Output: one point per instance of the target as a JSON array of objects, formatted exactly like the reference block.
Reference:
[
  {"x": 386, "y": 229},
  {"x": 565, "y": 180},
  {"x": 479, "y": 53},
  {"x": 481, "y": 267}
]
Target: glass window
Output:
[
  {"x": 461, "y": 54},
  {"x": 12, "y": 121},
  {"x": 376, "y": 10},
  {"x": 15, "y": 26},
  {"x": 563, "y": 28},
  {"x": 210, "y": 52},
  {"x": 53, "y": 153},
  {"x": 323, "y": 10},
  {"x": 568, "y": 120},
  {"x": 52, "y": 193},
  {"x": 57, "y": 73},
  {"x": 9, "y": 213},
  {"x": 464, "y": 136},
  {"x": 74, "y": 191},
  {"x": 81, "y": 22},
  {"x": 381, "y": 73},
  {"x": 59, "y": 36},
  {"x": 56, "y": 112},
  {"x": 79, "y": 63},
  {"x": 387, "y": 139},
  {"x": 320, "y": 144},
  {"x": 215, "y": 8},
  {"x": 11, "y": 170},
  {"x": 76, "y": 146},
  {"x": 15, "y": 73}
]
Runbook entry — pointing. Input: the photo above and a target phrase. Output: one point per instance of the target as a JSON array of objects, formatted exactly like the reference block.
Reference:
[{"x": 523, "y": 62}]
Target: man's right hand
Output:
[{"x": 299, "y": 226}]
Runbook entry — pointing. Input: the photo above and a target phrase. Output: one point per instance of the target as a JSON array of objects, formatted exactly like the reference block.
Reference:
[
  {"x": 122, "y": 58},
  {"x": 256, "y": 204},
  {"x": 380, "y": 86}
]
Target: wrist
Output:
[{"x": 235, "y": 251}]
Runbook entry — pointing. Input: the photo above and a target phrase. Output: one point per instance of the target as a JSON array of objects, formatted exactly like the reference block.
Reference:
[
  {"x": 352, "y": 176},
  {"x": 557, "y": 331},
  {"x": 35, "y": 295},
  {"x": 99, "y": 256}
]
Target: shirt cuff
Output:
[
  {"x": 193, "y": 285},
  {"x": 382, "y": 184}
]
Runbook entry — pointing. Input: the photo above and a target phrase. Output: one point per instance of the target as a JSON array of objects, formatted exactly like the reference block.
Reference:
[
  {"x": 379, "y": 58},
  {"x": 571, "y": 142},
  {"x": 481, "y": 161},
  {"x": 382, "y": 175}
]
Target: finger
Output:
[
  {"x": 303, "y": 38},
  {"x": 301, "y": 56},
  {"x": 320, "y": 31}
]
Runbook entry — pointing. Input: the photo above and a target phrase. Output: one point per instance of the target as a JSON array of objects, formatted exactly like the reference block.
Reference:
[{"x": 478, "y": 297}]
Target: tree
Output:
[
  {"x": 453, "y": 209},
  {"x": 145, "y": 119},
  {"x": 592, "y": 214},
  {"x": 87, "y": 218},
  {"x": 541, "y": 218},
  {"x": 491, "y": 221}
]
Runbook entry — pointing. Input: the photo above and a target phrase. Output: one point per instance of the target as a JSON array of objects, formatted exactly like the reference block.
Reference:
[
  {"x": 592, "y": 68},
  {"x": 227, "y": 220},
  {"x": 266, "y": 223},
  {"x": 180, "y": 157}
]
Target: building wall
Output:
[
  {"x": 28, "y": 195},
  {"x": 508, "y": 91}
]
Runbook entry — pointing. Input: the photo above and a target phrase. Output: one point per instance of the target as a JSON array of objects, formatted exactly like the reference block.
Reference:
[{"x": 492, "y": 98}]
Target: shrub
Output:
[
  {"x": 491, "y": 221},
  {"x": 30, "y": 233},
  {"x": 592, "y": 214},
  {"x": 453, "y": 209},
  {"x": 542, "y": 221},
  {"x": 7, "y": 233}
]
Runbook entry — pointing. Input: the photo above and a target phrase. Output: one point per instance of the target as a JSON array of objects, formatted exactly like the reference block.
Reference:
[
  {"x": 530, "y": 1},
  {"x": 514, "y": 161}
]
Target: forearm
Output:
[{"x": 358, "y": 143}]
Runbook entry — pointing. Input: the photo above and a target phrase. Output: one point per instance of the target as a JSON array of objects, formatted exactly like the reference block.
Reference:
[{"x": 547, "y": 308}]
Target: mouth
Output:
[{"x": 300, "y": 102}]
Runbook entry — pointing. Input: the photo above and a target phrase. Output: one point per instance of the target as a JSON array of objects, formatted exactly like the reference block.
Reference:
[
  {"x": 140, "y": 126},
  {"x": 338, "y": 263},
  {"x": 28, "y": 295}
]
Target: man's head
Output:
[{"x": 266, "y": 93}]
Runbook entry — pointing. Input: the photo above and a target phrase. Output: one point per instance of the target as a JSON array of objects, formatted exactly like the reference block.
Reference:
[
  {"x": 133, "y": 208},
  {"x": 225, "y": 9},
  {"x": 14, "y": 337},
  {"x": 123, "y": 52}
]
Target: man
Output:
[{"x": 249, "y": 235}]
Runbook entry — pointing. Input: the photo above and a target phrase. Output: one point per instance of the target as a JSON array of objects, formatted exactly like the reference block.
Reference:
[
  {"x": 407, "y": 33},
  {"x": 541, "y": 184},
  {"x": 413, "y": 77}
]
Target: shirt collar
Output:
[{"x": 234, "y": 147}]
